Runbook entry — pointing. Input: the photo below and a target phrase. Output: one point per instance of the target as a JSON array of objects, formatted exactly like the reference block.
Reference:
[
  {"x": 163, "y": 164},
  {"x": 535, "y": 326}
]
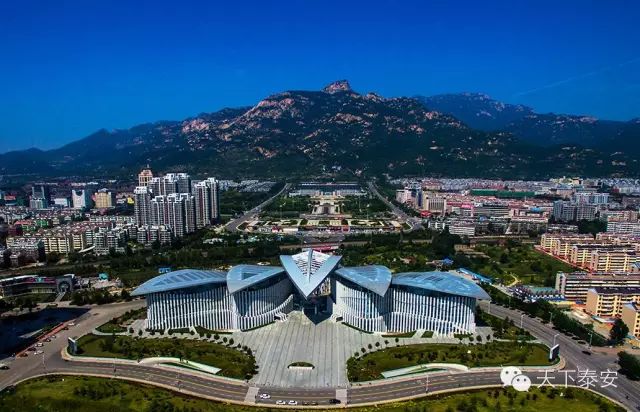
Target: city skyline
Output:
[{"x": 125, "y": 70}]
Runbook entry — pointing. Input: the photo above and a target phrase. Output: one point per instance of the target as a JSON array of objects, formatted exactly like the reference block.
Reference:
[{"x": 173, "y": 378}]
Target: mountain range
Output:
[
  {"x": 481, "y": 112},
  {"x": 337, "y": 130}
]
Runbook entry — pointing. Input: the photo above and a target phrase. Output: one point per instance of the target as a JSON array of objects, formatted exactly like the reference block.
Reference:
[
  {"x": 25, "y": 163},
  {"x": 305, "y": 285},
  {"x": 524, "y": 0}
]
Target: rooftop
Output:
[
  {"x": 243, "y": 276},
  {"x": 180, "y": 279},
  {"x": 309, "y": 269},
  {"x": 443, "y": 282},
  {"x": 376, "y": 278}
]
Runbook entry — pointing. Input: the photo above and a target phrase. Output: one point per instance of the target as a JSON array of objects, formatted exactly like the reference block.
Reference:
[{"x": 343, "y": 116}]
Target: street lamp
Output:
[
  {"x": 521, "y": 320},
  {"x": 554, "y": 339},
  {"x": 590, "y": 338}
]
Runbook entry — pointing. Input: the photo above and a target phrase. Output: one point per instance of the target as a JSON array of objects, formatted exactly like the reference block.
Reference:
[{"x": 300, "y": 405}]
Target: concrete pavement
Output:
[{"x": 234, "y": 391}]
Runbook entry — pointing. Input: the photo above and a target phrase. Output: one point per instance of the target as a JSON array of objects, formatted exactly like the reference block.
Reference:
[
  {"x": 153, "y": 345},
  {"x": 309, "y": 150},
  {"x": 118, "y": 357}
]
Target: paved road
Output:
[
  {"x": 600, "y": 360},
  {"x": 232, "y": 226},
  {"x": 238, "y": 391},
  {"x": 21, "y": 368},
  {"x": 413, "y": 222}
]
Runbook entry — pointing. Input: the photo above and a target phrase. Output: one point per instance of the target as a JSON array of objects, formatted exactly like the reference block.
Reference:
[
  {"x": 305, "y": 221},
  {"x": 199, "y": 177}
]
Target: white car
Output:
[
  {"x": 39, "y": 352},
  {"x": 280, "y": 402},
  {"x": 265, "y": 396},
  {"x": 39, "y": 344},
  {"x": 293, "y": 402}
]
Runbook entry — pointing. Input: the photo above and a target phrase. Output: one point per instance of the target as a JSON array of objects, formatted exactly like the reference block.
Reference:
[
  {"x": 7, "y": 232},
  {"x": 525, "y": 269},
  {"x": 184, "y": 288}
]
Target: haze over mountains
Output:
[
  {"x": 308, "y": 132},
  {"x": 481, "y": 112}
]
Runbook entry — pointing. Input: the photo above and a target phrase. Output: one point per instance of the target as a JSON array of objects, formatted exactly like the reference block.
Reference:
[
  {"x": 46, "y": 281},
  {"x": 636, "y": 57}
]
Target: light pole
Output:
[
  {"x": 489, "y": 308},
  {"x": 590, "y": 338},
  {"x": 554, "y": 339},
  {"x": 521, "y": 320}
]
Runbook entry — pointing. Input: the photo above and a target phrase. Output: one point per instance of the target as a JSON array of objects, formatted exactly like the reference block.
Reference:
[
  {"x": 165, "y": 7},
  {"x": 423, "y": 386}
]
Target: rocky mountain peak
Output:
[{"x": 338, "y": 86}]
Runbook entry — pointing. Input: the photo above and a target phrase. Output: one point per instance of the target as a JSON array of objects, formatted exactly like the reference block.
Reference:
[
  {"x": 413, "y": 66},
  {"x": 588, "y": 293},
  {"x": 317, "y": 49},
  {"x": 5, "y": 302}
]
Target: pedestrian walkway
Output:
[{"x": 326, "y": 345}]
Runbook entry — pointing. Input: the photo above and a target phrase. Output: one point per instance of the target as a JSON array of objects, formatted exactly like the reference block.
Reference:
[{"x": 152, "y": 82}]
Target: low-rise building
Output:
[
  {"x": 575, "y": 286},
  {"x": 631, "y": 317},
  {"x": 23, "y": 285},
  {"x": 612, "y": 261},
  {"x": 608, "y": 301}
]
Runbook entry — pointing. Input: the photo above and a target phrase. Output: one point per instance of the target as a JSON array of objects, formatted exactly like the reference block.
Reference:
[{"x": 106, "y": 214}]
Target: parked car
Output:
[
  {"x": 265, "y": 396},
  {"x": 280, "y": 402},
  {"x": 293, "y": 402}
]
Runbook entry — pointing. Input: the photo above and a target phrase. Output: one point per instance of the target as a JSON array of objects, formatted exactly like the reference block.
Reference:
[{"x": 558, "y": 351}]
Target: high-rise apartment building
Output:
[
  {"x": 176, "y": 210},
  {"x": 81, "y": 198},
  {"x": 105, "y": 199},
  {"x": 40, "y": 197},
  {"x": 144, "y": 177},
  {"x": 207, "y": 202},
  {"x": 170, "y": 183},
  {"x": 142, "y": 206}
]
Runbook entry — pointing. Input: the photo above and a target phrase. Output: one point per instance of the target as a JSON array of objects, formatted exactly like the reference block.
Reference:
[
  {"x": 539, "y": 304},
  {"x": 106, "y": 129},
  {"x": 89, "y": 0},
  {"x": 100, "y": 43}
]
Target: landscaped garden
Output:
[
  {"x": 519, "y": 262},
  {"x": 119, "y": 324},
  {"x": 234, "y": 362},
  {"x": 75, "y": 393},
  {"x": 502, "y": 328},
  {"x": 369, "y": 365}
]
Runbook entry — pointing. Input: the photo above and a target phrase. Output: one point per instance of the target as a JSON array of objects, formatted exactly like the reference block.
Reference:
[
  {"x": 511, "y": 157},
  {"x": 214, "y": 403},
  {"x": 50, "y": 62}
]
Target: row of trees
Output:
[
  {"x": 549, "y": 313},
  {"x": 98, "y": 296}
]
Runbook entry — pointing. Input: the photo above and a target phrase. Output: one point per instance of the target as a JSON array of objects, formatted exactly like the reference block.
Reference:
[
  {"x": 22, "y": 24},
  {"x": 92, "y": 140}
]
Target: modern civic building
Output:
[{"x": 370, "y": 298}]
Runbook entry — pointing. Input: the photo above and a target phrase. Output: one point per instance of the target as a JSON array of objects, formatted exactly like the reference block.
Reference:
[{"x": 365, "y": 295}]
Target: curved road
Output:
[{"x": 211, "y": 387}]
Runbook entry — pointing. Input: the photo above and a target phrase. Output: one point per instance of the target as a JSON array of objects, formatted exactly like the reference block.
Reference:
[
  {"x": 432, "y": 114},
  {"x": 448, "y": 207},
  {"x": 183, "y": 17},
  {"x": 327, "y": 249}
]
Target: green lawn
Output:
[
  {"x": 371, "y": 365},
  {"x": 111, "y": 327},
  {"x": 528, "y": 265},
  {"x": 79, "y": 394},
  {"x": 232, "y": 362},
  {"x": 120, "y": 323},
  {"x": 502, "y": 328}
]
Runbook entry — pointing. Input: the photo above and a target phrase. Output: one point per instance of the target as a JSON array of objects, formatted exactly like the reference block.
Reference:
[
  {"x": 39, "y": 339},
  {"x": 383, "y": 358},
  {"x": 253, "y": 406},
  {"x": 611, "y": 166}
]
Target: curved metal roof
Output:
[
  {"x": 242, "y": 276},
  {"x": 180, "y": 279},
  {"x": 376, "y": 278},
  {"x": 309, "y": 269},
  {"x": 440, "y": 282}
]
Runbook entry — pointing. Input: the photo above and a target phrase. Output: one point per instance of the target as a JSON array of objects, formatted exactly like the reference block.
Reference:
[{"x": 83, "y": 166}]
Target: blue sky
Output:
[{"x": 68, "y": 68}]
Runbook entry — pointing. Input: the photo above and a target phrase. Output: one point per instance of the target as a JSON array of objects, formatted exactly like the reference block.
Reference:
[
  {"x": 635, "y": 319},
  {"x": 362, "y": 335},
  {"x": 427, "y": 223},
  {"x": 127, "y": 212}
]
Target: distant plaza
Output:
[{"x": 325, "y": 208}]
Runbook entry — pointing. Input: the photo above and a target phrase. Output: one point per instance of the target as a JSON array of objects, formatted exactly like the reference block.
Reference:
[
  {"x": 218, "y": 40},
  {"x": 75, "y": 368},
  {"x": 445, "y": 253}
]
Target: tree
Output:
[
  {"x": 125, "y": 295},
  {"x": 629, "y": 365},
  {"x": 619, "y": 332}
]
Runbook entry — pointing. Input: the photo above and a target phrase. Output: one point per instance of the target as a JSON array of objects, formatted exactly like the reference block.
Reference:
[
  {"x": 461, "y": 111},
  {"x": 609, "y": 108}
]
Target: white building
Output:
[
  {"x": 368, "y": 297},
  {"x": 81, "y": 198}
]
